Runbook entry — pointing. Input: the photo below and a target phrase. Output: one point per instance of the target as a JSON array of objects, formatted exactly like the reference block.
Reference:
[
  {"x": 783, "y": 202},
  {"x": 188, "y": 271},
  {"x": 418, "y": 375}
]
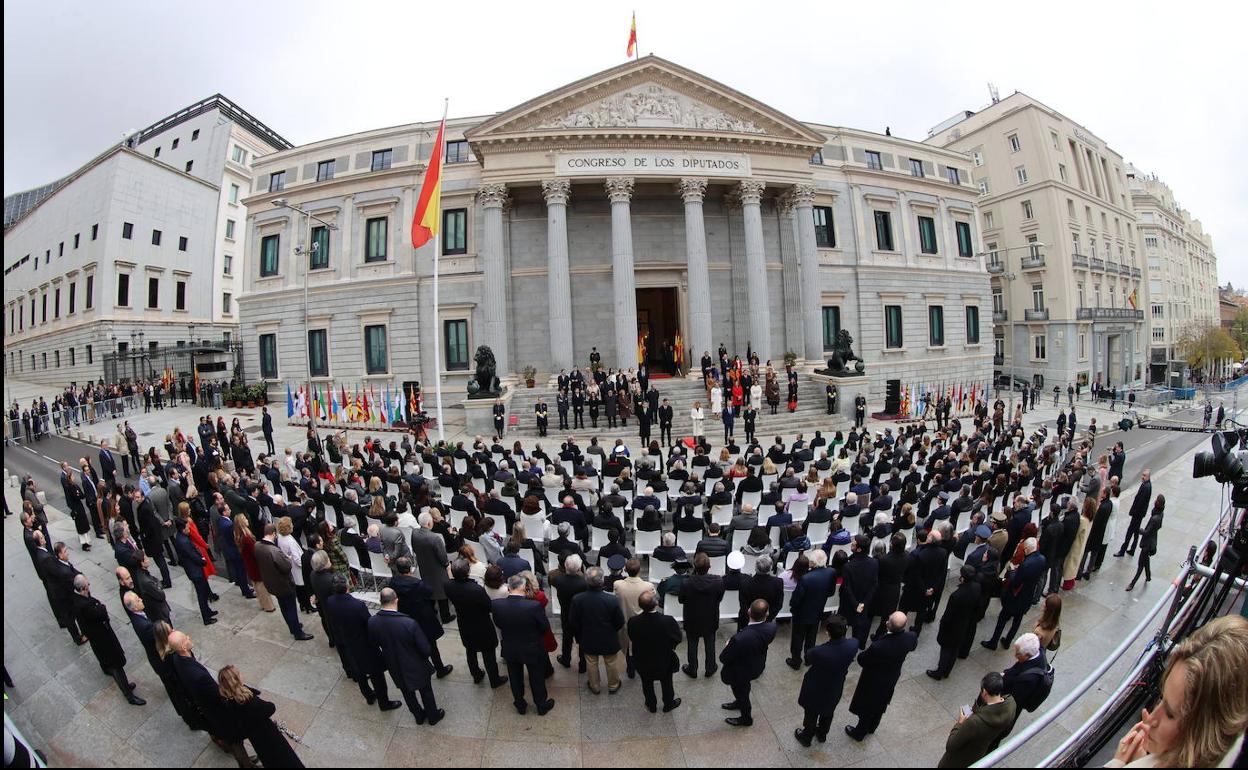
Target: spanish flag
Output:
[
  {"x": 632, "y": 37},
  {"x": 1134, "y": 300},
  {"x": 429, "y": 205}
]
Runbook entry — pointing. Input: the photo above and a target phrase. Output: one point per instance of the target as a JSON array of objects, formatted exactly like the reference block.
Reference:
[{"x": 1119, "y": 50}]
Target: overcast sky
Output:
[{"x": 1155, "y": 80}]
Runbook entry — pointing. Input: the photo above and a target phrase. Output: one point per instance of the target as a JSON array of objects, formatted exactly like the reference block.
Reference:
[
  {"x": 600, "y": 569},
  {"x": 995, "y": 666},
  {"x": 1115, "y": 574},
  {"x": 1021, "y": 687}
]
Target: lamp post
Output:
[
  {"x": 1033, "y": 247},
  {"x": 190, "y": 341},
  {"x": 305, "y": 256}
]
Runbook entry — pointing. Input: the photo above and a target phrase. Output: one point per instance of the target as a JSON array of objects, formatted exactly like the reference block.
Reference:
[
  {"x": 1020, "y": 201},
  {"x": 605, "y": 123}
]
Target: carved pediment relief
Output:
[{"x": 650, "y": 105}]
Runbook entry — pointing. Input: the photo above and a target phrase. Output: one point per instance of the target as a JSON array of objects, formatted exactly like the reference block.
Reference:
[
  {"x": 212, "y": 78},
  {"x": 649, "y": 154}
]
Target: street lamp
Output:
[
  {"x": 305, "y": 258},
  {"x": 1033, "y": 247}
]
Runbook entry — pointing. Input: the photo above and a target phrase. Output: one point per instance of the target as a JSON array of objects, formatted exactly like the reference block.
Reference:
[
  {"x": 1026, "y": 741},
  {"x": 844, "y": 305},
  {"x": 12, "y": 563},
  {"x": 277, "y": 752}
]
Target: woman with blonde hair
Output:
[
  {"x": 250, "y": 716},
  {"x": 377, "y": 508},
  {"x": 246, "y": 543},
  {"x": 696, "y": 416},
  {"x": 1049, "y": 626},
  {"x": 1070, "y": 567},
  {"x": 289, "y": 545},
  {"x": 1202, "y": 714}
]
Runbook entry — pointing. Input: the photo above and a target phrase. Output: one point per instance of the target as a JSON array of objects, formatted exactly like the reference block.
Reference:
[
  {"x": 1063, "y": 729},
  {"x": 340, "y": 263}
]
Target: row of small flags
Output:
[
  {"x": 359, "y": 405},
  {"x": 917, "y": 400}
]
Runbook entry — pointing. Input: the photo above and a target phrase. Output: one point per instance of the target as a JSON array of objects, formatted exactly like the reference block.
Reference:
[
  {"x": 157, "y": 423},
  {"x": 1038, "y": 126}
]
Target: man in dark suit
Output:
[
  {"x": 266, "y": 427},
  {"x": 596, "y": 618},
  {"x": 542, "y": 413},
  {"x": 825, "y": 681},
  {"x": 522, "y": 624},
  {"x": 193, "y": 564},
  {"x": 957, "y": 625},
  {"x": 744, "y": 658},
  {"x": 416, "y": 601},
  {"x": 807, "y": 603},
  {"x": 860, "y": 579},
  {"x": 881, "y": 668},
  {"x": 654, "y": 638},
  {"x": 125, "y": 550},
  {"x": 58, "y": 576},
  {"x": 700, "y": 593},
  {"x": 92, "y": 617},
  {"x": 1139, "y": 509},
  {"x": 429, "y": 551},
  {"x": 1025, "y": 680},
  {"x": 476, "y": 628},
  {"x": 665, "y": 423},
  {"x": 108, "y": 464},
  {"x": 361, "y": 659},
  {"x": 761, "y": 585},
  {"x": 406, "y": 653},
  {"x": 146, "y": 588},
  {"x": 152, "y": 534},
  {"x": 569, "y": 581},
  {"x": 1019, "y": 594}
]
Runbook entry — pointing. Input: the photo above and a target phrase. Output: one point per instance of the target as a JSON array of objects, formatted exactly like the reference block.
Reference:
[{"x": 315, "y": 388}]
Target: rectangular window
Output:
[
  {"x": 90, "y": 355},
  {"x": 1159, "y": 311},
  {"x": 1039, "y": 347},
  {"x": 73, "y": 290},
  {"x": 318, "y": 259},
  {"x": 1037, "y": 296},
  {"x": 95, "y": 232},
  {"x": 983, "y": 187},
  {"x": 1053, "y": 138},
  {"x": 457, "y": 152},
  {"x": 825, "y": 232},
  {"x": 965, "y": 247},
  {"x": 952, "y": 175},
  {"x": 817, "y": 158},
  {"x": 1061, "y": 171},
  {"x": 1083, "y": 346},
  {"x": 874, "y": 161},
  {"x": 1021, "y": 173},
  {"x": 277, "y": 180},
  {"x": 318, "y": 353},
  {"x": 182, "y": 243},
  {"x": 1014, "y": 144},
  {"x": 233, "y": 193},
  {"x": 936, "y": 326},
  {"x": 375, "y": 239},
  {"x": 156, "y": 154},
  {"x": 194, "y": 134},
  {"x": 73, "y": 357},
  {"x": 325, "y": 170},
  {"x": 892, "y": 326},
  {"x": 153, "y": 293},
  {"x": 381, "y": 159},
  {"x": 269, "y": 255},
  {"x": 268, "y": 356},
  {"x": 123, "y": 290},
  {"x": 998, "y": 301},
  {"x": 60, "y": 252},
  {"x": 831, "y": 326},
  {"x": 972, "y": 324},
  {"x": 916, "y": 167},
  {"x": 227, "y": 304},
  {"x": 156, "y": 237},
  {"x": 455, "y": 338},
  {"x": 189, "y": 164},
  {"x": 127, "y": 230},
  {"x": 174, "y": 146},
  {"x": 227, "y": 264},
  {"x": 977, "y": 157},
  {"x": 229, "y": 229},
  {"x": 56, "y": 304},
  {"x": 376, "y": 360},
  {"x": 455, "y": 231},
  {"x": 883, "y": 231},
  {"x": 1027, "y": 211},
  {"x": 238, "y": 154},
  {"x": 90, "y": 294},
  {"x": 927, "y": 235},
  {"x": 179, "y": 295},
  {"x": 57, "y": 355}
]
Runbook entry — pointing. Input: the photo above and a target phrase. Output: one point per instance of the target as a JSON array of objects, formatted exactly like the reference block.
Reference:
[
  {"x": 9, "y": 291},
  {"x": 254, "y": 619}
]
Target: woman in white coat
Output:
[
  {"x": 717, "y": 399},
  {"x": 696, "y": 415},
  {"x": 756, "y": 394}
]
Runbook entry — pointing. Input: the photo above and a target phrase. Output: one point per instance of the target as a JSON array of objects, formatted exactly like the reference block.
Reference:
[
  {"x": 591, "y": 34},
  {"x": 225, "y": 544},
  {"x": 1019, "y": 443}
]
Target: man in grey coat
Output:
[
  {"x": 158, "y": 496},
  {"x": 429, "y": 549}
]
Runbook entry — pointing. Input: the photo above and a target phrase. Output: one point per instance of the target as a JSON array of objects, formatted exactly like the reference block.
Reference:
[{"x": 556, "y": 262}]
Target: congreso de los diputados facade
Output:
[{"x": 645, "y": 211}]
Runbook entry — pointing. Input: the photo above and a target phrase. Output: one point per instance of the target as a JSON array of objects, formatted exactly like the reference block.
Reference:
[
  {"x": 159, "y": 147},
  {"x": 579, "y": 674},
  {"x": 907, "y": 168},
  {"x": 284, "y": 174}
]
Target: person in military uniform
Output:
[
  {"x": 832, "y": 395},
  {"x": 578, "y": 408},
  {"x": 543, "y": 416},
  {"x": 500, "y": 413},
  {"x": 860, "y": 410},
  {"x": 561, "y": 404},
  {"x": 751, "y": 416}
]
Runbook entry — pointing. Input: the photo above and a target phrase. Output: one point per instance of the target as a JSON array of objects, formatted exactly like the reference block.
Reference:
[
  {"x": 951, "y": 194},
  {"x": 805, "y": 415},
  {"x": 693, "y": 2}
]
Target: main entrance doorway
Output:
[{"x": 658, "y": 328}]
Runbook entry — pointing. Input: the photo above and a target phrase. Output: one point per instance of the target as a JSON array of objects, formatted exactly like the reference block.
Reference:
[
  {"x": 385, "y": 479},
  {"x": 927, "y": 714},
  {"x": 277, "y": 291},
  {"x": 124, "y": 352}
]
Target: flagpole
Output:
[
  {"x": 437, "y": 347},
  {"x": 636, "y": 44}
]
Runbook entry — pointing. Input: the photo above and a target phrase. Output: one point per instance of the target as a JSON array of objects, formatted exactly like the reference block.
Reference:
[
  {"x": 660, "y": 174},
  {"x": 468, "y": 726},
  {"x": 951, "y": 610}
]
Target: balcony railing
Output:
[
  {"x": 1033, "y": 261},
  {"x": 1079, "y": 260},
  {"x": 1124, "y": 270},
  {"x": 996, "y": 268},
  {"x": 998, "y": 360},
  {"x": 1000, "y": 316},
  {"x": 1108, "y": 314},
  {"x": 1111, "y": 267},
  {"x": 1036, "y": 315},
  {"x": 1135, "y": 272},
  {"x": 1097, "y": 263}
]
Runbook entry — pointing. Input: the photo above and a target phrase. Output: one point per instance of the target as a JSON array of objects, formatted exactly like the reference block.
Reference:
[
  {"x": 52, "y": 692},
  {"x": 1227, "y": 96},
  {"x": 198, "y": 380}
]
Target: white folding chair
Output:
[
  {"x": 479, "y": 550},
  {"x": 769, "y": 479},
  {"x": 353, "y": 561},
  {"x": 719, "y": 565},
  {"x": 798, "y": 510},
  {"x": 791, "y": 557},
  {"x": 659, "y": 570},
  {"x": 457, "y": 518},
  {"x": 786, "y": 493},
  {"x": 786, "y": 610},
  {"x": 381, "y": 570},
  {"x": 461, "y": 466},
  {"x": 774, "y": 533},
  {"x": 688, "y": 540},
  {"x": 552, "y": 495},
  {"x": 662, "y": 498},
  {"x": 818, "y": 532},
  {"x": 721, "y": 514},
  {"x": 567, "y": 466},
  {"x": 598, "y": 538},
  {"x": 534, "y": 526},
  {"x": 673, "y": 608},
  {"x": 447, "y": 493},
  {"x": 646, "y": 541},
  {"x": 751, "y": 498},
  {"x": 510, "y": 502},
  {"x": 729, "y": 605},
  {"x": 748, "y": 567},
  {"x": 596, "y": 462}
]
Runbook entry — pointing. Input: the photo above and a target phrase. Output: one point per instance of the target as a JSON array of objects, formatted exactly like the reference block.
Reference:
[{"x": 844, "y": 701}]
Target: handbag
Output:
[{"x": 1056, "y": 641}]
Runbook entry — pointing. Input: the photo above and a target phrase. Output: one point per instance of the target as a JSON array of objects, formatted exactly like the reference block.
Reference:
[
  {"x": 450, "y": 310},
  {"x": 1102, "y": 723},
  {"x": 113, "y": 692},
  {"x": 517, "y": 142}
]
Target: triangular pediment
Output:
[{"x": 648, "y": 96}]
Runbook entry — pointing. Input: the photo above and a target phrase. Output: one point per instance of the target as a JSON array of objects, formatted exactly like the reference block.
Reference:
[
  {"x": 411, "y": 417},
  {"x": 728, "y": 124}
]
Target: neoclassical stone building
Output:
[{"x": 641, "y": 209}]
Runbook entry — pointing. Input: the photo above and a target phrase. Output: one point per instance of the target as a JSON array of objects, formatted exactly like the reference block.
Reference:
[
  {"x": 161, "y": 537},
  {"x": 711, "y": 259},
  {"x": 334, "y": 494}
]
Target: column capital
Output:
[
  {"x": 556, "y": 191},
  {"x": 802, "y": 194},
  {"x": 692, "y": 189},
  {"x": 751, "y": 190},
  {"x": 619, "y": 188},
  {"x": 786, "y": 203},
  {"x": 492, "y": 195}
]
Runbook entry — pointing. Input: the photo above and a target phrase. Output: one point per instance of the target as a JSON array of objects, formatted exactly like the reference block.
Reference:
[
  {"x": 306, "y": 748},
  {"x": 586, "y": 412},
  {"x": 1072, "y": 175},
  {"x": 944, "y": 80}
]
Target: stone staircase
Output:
[{"x": 809, "y": 417}]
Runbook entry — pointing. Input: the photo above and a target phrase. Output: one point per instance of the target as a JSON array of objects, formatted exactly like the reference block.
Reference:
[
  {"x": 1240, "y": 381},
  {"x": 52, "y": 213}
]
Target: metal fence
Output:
[
  {"x": 150, "y": 363},
  {"x": 63, "y": 421}
]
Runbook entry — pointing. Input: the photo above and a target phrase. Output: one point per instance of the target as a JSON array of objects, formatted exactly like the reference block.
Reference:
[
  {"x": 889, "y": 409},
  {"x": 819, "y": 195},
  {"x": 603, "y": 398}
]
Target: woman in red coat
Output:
[
  {"x": 534, "y": 592},
  {"x": 192, "y": 531},
  {"x": 246, "y": 543}
]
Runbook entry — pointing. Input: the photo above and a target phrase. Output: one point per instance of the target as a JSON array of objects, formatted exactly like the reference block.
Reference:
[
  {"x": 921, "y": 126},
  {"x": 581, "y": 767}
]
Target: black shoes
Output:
[
  {"x": 668, "y": 707},
  {"x": 303, "y": 636},
  {"x": 545, "y": 708},
  {"x": 690, "y": 671},
  {"x": 852, "y": 733},
  {"x": 934, "y": 674},
  {"x": 135, "y": 700},
  {"x": 652, "y": 708},
  {"x": 502, "y": 680},
  {"x": 730, "y": 706},
  {"x": 445, "y": 671},
  {"x": 988, "y": 645},
  {"x": 793, "y": 663},
  {"x": 389, "y": 705},
  {"x": 209, "y": 621},
  {"x": 565, "y": 662},
  {"x": 739, "y": 721},
  {"x": 436, "y": 716},
  {"x": 710, "y": 672},
  {"x": 803, "y": 737}
]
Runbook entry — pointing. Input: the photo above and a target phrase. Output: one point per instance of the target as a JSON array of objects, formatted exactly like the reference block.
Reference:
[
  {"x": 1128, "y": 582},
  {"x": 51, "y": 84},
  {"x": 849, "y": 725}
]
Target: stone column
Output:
[
  {"x": 808, "y": 252},
  {"x": 693, "y": 191},
  {"x": 751, "y": 193},
  {"x": 790, "y": 272},
  {"x": 491, "y": 197},
  {"x": 558, "y": 282},
  {"x": 624, "y": 283}
]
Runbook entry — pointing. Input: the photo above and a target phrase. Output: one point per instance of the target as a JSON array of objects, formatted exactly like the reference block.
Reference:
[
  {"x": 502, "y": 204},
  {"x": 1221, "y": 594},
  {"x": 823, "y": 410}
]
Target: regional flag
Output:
[
  {"x": 383, "y": 405},
  {"x": 333, "y": 403},
  {"x": 632, "y": 38},
  {"x": 290, "y": 400},
  {"x": 429, "y": 204}
]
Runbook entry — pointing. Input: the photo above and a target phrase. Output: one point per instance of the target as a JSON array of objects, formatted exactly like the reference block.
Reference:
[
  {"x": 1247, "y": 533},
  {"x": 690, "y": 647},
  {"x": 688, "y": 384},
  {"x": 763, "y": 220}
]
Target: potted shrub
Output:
[
  {"x": 259, "y": 394},
  {"x": 530, "y": 373},
  {"x": 790, "y": 358}
]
